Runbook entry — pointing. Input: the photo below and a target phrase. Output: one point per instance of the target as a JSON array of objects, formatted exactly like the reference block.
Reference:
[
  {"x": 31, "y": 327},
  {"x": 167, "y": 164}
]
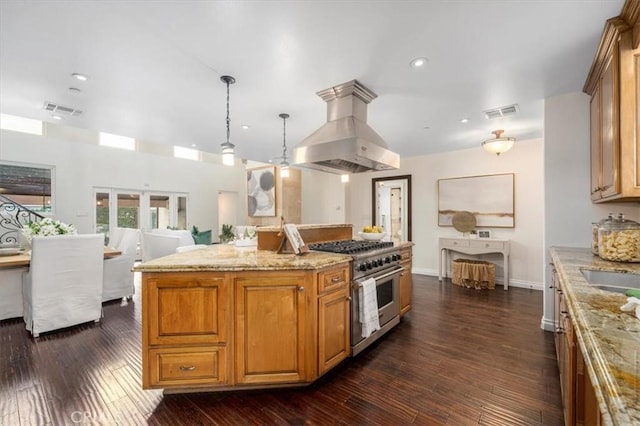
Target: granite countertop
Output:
[
  {"x": 609, "y": 338},
  {"x": 308, "y": 226},
  {"x": 227, "y": 257}
]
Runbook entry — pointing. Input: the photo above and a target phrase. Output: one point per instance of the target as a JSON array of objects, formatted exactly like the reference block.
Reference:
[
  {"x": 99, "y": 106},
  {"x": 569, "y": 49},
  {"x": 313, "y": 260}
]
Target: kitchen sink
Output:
[{"x": 618, "y": 282}]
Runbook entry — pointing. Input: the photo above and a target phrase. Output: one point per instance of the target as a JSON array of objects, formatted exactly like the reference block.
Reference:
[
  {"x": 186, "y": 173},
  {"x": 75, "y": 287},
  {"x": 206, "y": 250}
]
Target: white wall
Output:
[
  {"x": 323, "y": 198},
  {"x": 79, "y": 167},
  {"x": 524, "y": 160},
  {"x": 569, "y": 211}
]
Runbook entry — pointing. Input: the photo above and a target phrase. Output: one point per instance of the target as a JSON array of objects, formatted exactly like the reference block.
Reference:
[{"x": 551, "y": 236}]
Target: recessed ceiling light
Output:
[
  {"x": 418, "y": 62},
  {"x": 426, "y": 127},
  {"x": 56, "y": 117},
  {"x": 193, "y": 145},
  {"x": 74, "y": 90},
  {"x": 464, "y": 120},
  {"x": 78, "y": 76},
  {"x": 245, "y": 127}
]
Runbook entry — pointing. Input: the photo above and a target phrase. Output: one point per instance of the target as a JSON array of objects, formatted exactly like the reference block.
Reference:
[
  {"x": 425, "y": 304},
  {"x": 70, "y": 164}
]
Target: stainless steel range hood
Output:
[{"x": 346, "y": 143}]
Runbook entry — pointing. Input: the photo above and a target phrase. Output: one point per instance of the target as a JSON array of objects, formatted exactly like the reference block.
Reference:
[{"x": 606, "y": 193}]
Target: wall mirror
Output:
[{"x": 391, "y": 199}]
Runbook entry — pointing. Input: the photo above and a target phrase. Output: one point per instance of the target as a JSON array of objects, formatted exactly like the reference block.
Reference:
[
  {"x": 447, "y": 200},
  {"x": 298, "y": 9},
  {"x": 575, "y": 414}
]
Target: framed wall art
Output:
[
  {"x": 261, "y": 191},
  {"x": 489, "y": 198}
]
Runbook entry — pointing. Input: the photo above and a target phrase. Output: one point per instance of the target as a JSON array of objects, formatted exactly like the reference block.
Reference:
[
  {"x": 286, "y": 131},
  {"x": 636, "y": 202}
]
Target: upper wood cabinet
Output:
[{"x": 614, "y": 86}]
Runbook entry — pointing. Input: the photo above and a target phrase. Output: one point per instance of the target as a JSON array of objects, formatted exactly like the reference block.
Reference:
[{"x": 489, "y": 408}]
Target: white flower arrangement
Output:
[{"x": 47, "y": 227}]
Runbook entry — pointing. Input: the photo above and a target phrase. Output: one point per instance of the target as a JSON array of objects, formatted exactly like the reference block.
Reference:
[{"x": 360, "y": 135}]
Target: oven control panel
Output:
[{"x": 374, "y": 263}]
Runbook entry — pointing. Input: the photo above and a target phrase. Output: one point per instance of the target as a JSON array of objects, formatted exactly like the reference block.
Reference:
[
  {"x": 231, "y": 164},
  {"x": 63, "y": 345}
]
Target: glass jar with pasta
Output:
[{"x": 619, "y": 240}]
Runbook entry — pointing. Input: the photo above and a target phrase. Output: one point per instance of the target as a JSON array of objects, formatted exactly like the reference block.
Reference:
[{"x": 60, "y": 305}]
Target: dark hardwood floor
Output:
[{"x": 460, "y": 357}]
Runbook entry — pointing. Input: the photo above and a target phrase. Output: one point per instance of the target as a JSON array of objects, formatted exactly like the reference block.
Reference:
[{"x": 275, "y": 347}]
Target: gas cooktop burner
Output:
[{"x": 350, "y": 246}]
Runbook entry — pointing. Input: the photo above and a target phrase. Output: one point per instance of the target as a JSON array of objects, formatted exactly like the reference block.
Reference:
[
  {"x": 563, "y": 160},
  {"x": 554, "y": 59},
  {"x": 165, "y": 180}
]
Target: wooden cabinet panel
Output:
[
  {"x": 609, "y": 135},
  {"x": 188, "y": 366},
  {"x": 271, "y": 328},
  {"x": 187, "y": 308},
  {"x": 333, "y": 279},
  {"x": 406, "y": 280},
  {"x": 333, "y": 329}
]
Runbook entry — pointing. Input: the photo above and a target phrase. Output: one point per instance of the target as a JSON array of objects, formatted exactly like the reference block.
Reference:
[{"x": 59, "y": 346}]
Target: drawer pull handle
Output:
[
  {"x": 486, "y": 244},
  {"x": 189, "y": 368},
  {"x": 335, "y": 279}
]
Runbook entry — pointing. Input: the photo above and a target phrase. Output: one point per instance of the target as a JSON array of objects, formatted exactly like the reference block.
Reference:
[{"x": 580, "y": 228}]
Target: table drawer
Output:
[
  {"x": 497, "y": 245},
  {"x": 188, "y": 365},
  {"x": 452, "y": 243}
]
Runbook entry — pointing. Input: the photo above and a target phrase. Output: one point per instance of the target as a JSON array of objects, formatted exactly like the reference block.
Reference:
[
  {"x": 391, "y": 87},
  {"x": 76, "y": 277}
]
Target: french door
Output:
[{"x": 138, "y": 209}]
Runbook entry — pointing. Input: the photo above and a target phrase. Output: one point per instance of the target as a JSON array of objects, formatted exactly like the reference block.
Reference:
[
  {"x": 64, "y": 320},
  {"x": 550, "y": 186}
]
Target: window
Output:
[
  {"x": 29, "y": 185},
  {"x": 20, "y": 124},
  {"x": 117, "y": 141},
  {"x": 102, "y": 214}
]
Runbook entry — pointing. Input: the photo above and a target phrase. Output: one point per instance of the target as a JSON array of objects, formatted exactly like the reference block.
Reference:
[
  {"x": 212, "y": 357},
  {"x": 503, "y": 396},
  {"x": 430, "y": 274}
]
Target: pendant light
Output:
[
  {"x": 228, "y": 149},
  {"x": 284, "y": 164},
  {"x": 499, "y": 144}
]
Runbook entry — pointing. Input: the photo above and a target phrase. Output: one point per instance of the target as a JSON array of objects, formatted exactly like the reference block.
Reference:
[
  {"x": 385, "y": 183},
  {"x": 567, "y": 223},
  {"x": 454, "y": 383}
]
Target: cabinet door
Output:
[
  {"x": 333, "y": 329},
  {"x": 406, "y": 287},
  {"x": 186, "y": 308},
  {"x": 596, "y": 145},
  {"x": 272, "y": 328},
  {"x": 610, "y": 139}
]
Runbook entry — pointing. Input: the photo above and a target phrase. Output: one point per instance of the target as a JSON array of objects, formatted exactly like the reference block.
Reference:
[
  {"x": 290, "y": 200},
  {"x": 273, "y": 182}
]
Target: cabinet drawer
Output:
[
  {"x": 405, "y": 254},
  {"x": 452, "y": 243},
  {"x": 188, "y": 366},
  {"x": 498, "y": 245},
  {"x": 333, "y": 279}
]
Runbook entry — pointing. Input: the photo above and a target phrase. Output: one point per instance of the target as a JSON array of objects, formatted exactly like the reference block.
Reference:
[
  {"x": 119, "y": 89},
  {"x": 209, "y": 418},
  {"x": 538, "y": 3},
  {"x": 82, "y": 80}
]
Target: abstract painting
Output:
[
  {"x": 261, "y": 191},
  {"x": 489, "y": 198}
]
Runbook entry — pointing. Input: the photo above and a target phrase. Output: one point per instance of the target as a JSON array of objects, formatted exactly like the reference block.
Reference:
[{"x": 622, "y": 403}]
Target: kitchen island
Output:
[
  {"x": 222, "y": 318},
  {"x": 601, "y": 379}
]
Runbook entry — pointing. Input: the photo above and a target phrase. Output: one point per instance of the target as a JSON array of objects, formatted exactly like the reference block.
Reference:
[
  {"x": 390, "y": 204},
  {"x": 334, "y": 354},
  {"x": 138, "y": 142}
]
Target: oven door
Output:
[{"x": 388, "y": 294}]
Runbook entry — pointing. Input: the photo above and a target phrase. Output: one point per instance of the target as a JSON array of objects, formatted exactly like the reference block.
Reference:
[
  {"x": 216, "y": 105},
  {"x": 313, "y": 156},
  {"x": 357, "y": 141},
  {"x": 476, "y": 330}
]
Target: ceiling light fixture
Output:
[
  {"x": 284, "y": 164},
  {"x": 464, "y": 120},
  {"x": 499, "y": 144},
  {"x": 78, "y": 76},
  {"x": 56, "y": 117},
  {"x": 418, "y": 62},
  {"x": 245, "y": 127},
  {"x": 228, "y": 149}
]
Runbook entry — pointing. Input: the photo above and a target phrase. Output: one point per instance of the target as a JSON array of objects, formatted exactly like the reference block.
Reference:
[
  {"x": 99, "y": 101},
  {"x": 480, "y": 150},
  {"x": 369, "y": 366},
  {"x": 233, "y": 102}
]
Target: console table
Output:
[{"x": 473, "y": 246}]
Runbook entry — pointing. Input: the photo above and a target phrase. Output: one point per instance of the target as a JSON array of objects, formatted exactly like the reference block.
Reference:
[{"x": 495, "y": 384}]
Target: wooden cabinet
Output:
[
  {"x": 406, "y": 281},
  {"x": 579, "y": 402},
  {"x": 272, "y": 328},
  {"x": 614, "y": 86},
  {"x": 181, "y": 313},
  {"x": 248, "y": 328},
  {"x": 333, "y": 318},
  {"x": 566, "y": 354}
]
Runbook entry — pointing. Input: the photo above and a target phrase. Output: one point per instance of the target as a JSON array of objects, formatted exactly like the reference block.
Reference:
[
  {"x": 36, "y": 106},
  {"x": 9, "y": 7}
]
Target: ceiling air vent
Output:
[
  {"x": 501, "y": 112},
  {"x": 61, "y": 110}
]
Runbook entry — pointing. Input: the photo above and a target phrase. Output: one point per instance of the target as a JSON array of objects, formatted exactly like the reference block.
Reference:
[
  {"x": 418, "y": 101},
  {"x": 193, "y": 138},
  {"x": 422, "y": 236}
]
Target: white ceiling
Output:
[{"x": 155, "y": 66}]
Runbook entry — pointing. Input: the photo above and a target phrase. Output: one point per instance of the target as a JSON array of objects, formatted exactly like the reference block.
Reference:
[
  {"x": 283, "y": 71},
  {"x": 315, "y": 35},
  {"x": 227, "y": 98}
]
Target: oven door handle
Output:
[{"x": 381, "y": 277}]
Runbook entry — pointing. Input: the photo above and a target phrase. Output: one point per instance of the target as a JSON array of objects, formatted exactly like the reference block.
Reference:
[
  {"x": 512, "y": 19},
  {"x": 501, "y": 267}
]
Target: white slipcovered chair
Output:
[
  {"x": 155, "y": 245},
  {"x": 64, "y": 284},
  {"x": 11, "y": 292},
  {"x": 118, "y": 275},
  {"x": 163, "y": 242}
]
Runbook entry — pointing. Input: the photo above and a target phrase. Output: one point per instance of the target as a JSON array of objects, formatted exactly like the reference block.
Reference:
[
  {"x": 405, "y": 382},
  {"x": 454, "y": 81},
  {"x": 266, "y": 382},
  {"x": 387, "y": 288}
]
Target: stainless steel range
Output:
[{"x": 371, "y": 259}]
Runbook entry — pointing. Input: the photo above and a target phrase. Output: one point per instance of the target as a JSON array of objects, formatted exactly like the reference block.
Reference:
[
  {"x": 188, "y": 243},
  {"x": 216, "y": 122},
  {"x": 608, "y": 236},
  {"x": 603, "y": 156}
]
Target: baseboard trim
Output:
[
  {"x": 531, "y": 285},
  {"x": 547, "y": 324}
]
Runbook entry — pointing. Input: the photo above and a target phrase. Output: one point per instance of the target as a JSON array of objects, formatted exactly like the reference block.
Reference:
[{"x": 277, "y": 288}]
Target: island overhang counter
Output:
[{"x": 222, "y": 318}]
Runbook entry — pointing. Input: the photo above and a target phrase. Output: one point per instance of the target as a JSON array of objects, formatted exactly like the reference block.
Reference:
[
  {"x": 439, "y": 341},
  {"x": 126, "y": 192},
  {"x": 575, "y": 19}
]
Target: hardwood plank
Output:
[{"x": 460, "y": 357}]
